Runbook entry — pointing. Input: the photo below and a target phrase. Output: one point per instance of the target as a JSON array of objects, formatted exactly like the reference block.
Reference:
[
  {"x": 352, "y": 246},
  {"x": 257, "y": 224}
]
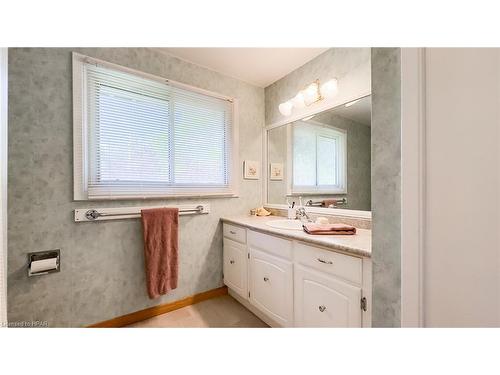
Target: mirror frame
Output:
[{"x": 310, "y": 111}]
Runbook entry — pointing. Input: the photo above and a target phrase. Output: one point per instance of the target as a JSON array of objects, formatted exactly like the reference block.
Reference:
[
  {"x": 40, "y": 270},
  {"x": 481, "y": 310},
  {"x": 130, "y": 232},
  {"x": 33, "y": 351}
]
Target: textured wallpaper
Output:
[
  {"x": 102, "y": 265},
  {"x": 351, "y": 67},
  {"x": 386, "y": 186}
]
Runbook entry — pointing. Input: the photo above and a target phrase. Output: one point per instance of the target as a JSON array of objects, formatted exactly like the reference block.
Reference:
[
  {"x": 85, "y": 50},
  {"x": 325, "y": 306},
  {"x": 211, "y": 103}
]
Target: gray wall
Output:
[
  {"x": 386, "y": 186},
  {"x": 358, "y": 162},
  {"x": 277, "y": 153},
  {"x": 102, "y": 272},
  {"x": 351, "y": 66}
]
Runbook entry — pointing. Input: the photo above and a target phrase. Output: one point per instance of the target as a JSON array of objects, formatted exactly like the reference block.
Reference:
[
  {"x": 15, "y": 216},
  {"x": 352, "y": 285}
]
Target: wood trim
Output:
[{"x": 150, "y": 312}]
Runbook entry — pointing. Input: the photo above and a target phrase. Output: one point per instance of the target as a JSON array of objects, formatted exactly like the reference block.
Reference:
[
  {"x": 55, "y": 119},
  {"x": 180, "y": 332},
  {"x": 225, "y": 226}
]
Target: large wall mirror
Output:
[{"x": 324, "y": 159}]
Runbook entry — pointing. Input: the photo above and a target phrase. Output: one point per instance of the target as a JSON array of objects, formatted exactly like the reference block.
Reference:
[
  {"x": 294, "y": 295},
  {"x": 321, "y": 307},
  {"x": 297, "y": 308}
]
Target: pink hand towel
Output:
[
  {"x": 331, "y": 202},
  {"x": 313, "y": 228},
  {"x": 160, "y": 229}
]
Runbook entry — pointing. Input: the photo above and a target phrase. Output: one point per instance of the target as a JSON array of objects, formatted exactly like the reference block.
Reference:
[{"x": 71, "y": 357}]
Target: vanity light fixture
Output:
[
  {"x": 298, "y": 101},
  {"x": 329, "y": 89},
  {"x": 286, "y": 108},
  {"x": 311, "y": 94}
]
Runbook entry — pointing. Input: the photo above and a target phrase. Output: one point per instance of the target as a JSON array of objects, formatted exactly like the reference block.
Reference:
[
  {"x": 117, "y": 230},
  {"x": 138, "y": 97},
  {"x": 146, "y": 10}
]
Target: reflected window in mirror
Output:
[{"x": 318, "y": 158}]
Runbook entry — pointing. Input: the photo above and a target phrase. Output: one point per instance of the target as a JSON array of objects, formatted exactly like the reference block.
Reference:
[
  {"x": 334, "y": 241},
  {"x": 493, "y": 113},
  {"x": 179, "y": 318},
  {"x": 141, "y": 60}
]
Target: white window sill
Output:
[
  {"x": 316, "y": 192},
  {"x": 157, "y": 197}
]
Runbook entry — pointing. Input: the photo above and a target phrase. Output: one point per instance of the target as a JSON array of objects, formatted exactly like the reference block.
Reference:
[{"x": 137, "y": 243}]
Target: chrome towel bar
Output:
[
  {"x": 340, "y": 201},
  {"x": 98, "y": 214}
]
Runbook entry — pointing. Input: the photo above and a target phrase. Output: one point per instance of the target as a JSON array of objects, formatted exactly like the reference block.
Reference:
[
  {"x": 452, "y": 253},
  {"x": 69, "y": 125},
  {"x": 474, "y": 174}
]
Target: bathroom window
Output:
[
  {"x": 319, "y": 157},
  {"x": 141, "y": 136}
]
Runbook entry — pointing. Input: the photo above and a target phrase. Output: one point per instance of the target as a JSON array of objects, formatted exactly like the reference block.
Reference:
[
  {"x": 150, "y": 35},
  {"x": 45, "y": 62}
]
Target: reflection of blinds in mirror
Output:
[
  {"x": 318, "y": 157},
  {"x": 304, "y": 156},
  {"x": 326, "y": 160}
]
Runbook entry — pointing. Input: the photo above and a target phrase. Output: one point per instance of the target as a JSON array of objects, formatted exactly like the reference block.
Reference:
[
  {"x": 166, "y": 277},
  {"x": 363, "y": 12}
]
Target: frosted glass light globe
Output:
[
  {"x": 286, "y": 108},
  {"x": 329, "y": 88},
  {"x": 298, "y": 101},
  {"x": 311, "y": 94}
]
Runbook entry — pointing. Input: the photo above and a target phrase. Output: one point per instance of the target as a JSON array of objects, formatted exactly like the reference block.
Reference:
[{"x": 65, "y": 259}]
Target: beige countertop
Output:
[{"x": 359, "y": 244}]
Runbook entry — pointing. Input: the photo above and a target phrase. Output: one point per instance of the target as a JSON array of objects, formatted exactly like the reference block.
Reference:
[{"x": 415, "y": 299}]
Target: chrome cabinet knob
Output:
[
  {"x": 231, "y": 261},
  {"x": 325, "y": 261},
  {"x": 322, "y": 308},
  {"x": 232, "y": 232},
  {"x": 266, "y": 279}
]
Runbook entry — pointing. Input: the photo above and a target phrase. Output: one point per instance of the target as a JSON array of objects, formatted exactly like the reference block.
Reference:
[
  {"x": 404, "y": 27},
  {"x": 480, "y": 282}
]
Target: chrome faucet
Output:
[{"x": 301, "y": 214}]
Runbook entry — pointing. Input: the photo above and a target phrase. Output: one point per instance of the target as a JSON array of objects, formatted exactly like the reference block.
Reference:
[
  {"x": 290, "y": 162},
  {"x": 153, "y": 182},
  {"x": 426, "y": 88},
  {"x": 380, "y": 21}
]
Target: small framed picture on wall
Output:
[
  {"x": 251, "y": 170},
  {"x": 276, "y": 172}
]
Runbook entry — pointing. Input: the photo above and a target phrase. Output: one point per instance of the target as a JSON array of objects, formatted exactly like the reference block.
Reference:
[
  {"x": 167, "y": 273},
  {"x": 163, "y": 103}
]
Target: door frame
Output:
[
  {"x": 3, "y": 183},
  {"x": 413, "y": 166}
]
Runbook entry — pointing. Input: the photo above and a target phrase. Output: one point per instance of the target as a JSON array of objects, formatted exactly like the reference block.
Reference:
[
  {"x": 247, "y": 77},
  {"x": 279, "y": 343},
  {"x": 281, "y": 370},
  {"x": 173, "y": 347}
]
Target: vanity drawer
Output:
[
  {"x": 344, "y": 266},
  {"x": 274, "y": 245},
  {"x": 234, "y": 233}
]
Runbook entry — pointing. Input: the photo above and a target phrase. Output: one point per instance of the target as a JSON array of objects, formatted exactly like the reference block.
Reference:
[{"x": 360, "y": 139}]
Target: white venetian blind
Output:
[
  {"x": 148, "y": 138},
  {"x": 200, "y": 138}
]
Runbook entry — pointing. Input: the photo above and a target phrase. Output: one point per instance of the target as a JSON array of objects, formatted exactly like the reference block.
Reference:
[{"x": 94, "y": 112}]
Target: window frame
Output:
[
  {"x": 293, "y": 190},
  {"x": 80, "y": 138}
]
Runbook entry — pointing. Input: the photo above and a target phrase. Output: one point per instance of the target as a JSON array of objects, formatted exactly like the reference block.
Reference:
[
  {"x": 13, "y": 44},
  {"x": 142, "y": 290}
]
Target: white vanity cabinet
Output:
[
  {"x": 322, "y": 300},
  {"x": 288, "y": 283},
  {"x": 271, "y": 286},
  {"x": 327, "y": 288},
  {"x": 235, "y": 266},
  {"x": 271, "y": 276}
]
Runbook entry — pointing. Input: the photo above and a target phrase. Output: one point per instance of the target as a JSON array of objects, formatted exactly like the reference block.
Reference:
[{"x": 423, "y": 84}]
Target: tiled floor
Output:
[{"x": 222, "y": 311}]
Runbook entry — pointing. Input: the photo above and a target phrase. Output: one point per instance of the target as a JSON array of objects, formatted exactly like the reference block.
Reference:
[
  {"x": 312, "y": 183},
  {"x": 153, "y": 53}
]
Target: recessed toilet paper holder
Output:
[{"x": 44, "y": 262}]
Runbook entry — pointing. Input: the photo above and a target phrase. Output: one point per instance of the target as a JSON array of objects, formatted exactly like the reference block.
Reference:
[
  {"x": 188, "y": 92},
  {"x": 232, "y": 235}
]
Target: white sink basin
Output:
[{"x": 285, "y": 224}]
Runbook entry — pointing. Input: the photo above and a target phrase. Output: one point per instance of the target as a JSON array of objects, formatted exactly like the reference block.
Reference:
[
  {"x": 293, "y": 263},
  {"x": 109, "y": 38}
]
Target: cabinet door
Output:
[
  {"x": 271, "y": 286},
  {"x": 324, "y": 301},
  {"x": 235, "y": 267}
]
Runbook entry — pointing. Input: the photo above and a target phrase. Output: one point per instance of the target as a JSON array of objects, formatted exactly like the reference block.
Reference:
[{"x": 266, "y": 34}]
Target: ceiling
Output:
[
  {"x": 360, "y": 111},
  {"x": 257, "y": 66}
]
